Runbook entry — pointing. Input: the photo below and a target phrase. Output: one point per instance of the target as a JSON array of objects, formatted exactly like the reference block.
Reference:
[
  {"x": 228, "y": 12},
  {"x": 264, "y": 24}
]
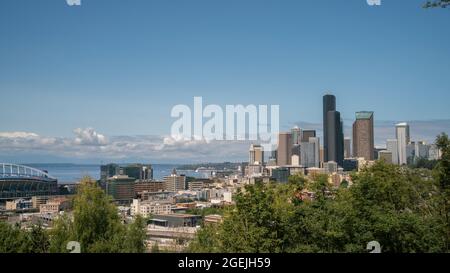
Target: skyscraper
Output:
[
  {"x": 307, "y": 134},
  {"x": 296, "y": 135},
  {"x": 256, "y": 155},
  {"x": 333, "y": 131},
  {"x": 310, "y": 153},
  {"x": 284, "y": 151},
  {"x": 392, "y": 146},
  {"x": 363, "y": 136},
  {"x": 329, "y": 104},
  {"x": 347, "y": 147},
  {"x": 403, "y": 139}
]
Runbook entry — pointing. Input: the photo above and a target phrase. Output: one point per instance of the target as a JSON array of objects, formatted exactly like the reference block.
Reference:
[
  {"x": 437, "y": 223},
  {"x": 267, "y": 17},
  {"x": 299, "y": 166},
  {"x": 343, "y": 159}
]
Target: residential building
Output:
[{"x": 175, "y": 182}]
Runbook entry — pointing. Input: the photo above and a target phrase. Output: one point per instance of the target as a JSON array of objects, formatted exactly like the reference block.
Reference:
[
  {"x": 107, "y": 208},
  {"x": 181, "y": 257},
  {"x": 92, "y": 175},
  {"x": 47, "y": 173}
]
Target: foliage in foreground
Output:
[
  {"x": 95, "y": 224},
  {"x": 405, "y": 210}
]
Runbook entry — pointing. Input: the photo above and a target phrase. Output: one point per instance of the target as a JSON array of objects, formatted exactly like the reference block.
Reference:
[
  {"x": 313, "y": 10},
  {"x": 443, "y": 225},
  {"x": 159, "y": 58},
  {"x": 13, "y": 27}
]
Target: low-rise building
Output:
[
  {"x": 148, "y": 208},
  {"x": 19, "y": 204},
  {"x": 176, "y": 220},
  {"x": 148, "y": 186},
  {"x": 54, "y": 205},
  {"x": 195, "y": 185},
  {"x": 385, "y": 156},
  {"x": 38, "y": 201},
  {"x": 213, "y": 219}
]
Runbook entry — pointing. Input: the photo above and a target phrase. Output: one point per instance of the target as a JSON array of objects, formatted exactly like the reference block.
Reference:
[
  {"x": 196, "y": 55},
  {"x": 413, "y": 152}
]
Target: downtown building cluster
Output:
[
  {"x": 301, "y": 151},
  {"x": 172, "y": 204}
]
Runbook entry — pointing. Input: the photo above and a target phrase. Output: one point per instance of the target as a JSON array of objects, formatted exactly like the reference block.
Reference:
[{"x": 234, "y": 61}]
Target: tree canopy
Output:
[
  {"x": 405, "y": 210},
  {"x": 95, "y": 224}
]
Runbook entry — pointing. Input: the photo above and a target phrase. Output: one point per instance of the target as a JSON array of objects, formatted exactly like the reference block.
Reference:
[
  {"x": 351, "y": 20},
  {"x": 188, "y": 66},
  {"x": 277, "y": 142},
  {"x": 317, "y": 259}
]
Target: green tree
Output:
[
  {"x": 39, "y": 241},
  {"x": 155, "y": 248},
  {"x": 96, "y": 222},
  {"x": 135, "y": 236},
  {"x": 61, "y": 234},
  {"x": 399, "y": 207},
  {"x": 206, "y": 241},
  {"x": 442, "y": 176},
  {"x": 96, "y": 225},
  {"x": 13, "y": 239}
]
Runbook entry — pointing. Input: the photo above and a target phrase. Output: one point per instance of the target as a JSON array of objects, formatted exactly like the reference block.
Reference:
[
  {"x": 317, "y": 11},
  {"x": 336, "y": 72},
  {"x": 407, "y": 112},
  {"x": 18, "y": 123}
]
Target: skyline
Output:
[{"x": 119, "y": 69}]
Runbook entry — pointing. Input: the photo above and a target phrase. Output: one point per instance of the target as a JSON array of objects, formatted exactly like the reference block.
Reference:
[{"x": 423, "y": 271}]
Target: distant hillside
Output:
[{"x": 215, "y": 166}]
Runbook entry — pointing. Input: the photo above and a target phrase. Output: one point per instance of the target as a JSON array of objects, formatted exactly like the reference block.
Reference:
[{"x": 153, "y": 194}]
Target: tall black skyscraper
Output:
[
  {"x": 329, "y": 104},
  {"x": 333, "y": 131}
]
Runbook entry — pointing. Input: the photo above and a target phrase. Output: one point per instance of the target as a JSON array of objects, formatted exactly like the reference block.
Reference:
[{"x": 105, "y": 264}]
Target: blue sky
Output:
[{"x": 120, "y": 66}]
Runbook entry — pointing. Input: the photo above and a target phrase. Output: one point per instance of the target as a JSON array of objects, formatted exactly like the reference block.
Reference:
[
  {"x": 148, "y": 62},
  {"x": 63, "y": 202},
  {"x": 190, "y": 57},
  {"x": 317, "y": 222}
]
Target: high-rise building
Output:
[
  {"x": 296, "y": 135},
  {"x": 333, "y": 131},
  {"x": 175, "y": 182},
  {"x": 307, "y": 134},
  {"x": 363, "y": 136},
  {"x": 137, "y": 171},
  {"x": 392, "y": 147},
  {"x": 107, "y": 171},
  {"x": 335, "y": 150},
  {"x": 296, "y": 149},
  {"x": 347, "y": 147},
  {"x": 310, "y": 153},
  {"x": 256, "y": 155},
  {"x": 403, "y": 139},
  {"x": 329, "y": 104},
  {"x": 284, "y": 151},
  {"x": 121, "y": 188}
]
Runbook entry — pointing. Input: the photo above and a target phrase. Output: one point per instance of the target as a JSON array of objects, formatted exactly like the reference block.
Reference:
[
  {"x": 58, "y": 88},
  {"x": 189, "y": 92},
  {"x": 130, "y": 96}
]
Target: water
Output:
[{"x": 72, "y": 173}]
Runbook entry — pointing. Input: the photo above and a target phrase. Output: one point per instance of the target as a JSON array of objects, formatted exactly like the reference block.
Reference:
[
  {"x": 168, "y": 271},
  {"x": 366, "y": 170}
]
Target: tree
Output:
[
  {"x": 206, "y": 240},
  {"x": 155, "y": 248},
  {"x": 399, "y": 207},
  {"x": 13, "y": 239},
  {"x": 394, "y": 206},
  {"x": 61, "y": 234},
  {"x": 135, "y": 236},
  {"x": 437, "y": 3},
  {"x": 96, "y": 225},
  {"x": 442, "y": 175},
  {"x": 39, "y": 241}
]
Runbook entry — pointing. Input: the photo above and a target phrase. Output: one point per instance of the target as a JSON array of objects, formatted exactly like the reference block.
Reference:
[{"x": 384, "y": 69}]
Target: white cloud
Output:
[
  {"x": 88, "y": 145},
  {"x": 89, "y": 136},
  {"x": 18, "y": 135}
]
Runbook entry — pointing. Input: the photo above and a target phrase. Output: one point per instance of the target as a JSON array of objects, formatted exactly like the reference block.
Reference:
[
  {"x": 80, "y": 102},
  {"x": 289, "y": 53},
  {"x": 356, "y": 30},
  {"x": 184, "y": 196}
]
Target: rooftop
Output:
[{"x": 364, "y": 115}]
